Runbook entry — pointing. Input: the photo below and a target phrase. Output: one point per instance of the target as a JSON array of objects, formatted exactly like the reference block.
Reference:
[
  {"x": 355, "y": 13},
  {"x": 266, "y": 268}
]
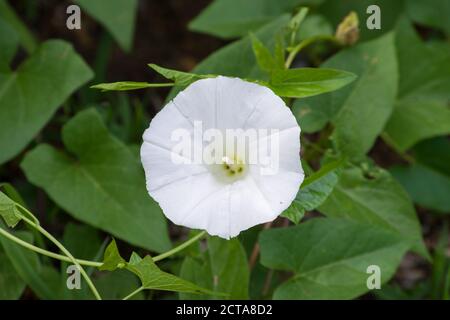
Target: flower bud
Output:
[{"x": 347, "y": 32}]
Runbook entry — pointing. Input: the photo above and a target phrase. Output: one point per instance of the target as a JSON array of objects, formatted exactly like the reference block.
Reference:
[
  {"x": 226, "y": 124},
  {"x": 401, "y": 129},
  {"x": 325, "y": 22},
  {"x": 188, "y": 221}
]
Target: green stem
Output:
[
  {"x": 161, "y": 85},
  {"x": 294, "y": 51},
  {"x": 391, "y": 143},
  {"x": 87, "y": 262},
  {"x": 45, "y": 252},
  {"x": 32, "y": 216},
  {"x": 180, "y": 247},
  {"x": 299, "y": 17},
  {"x": 135, "y": 292},
  {"x": 63, "y": 250}
]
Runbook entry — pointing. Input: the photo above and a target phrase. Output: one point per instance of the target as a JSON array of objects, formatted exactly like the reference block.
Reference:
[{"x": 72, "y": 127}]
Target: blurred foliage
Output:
[{"x": 375, "y": 149}]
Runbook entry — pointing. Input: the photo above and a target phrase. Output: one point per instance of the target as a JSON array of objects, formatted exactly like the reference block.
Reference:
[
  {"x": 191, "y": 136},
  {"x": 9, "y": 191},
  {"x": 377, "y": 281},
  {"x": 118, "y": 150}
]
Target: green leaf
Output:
[
  {"x": 229, "y": 266},
  {"x": 135, "y": 258},
  {"x": 9, "y": 42},
  {"x": 306, "y": 82},
  {"x": 294, "y": 212},
  {"x": 434, "y": 153},
  {"x": 441, "y": 266},
  {"x": 236, "y": 18},
  {"x": 117, "y": 16},
  {"x": 296, "y": 21},
  {"x": 432, "y": 13},
  {"x": 118, "y": 284},
  {"x": 237, "y": 58},
  {"x": 178, "y": 77},
  {"x": 102, "y": 183},
  {"x": 30, "y": 95},
  {"x": 154, "y": 278},
  {"x": 10, "y": 282},
  {"x": 28, "y": 266},
  {"x": 223, "y": 268},
  {"x": 263, "y": 55},
  {"x": 329, "y": 257},
  {"x": 150, "y": 275},
  {"x": 396, "y": 292},
  {"x": 199, "y": 272},
  {"x": 12, "y": 193},
  {"x": 112, "y": 259},
  {"x": 279, "y": 54},
  {"x": 10, "y": 205},
  {"x": 128, "y": 85},
  {"x": 358, "y": 111},
  {"x": 378, "y": 199},
  {"x": 9, "y": 16},
  {"x": 295, "y": 83},
  {"x": 366, "y": 109},
  {"x": 427, "y": 187},
  {"x": 314, "y": 25},
  {"x": 421, "y": 110},
  {"x": 428, "y": 180},
  {"x": 314, "y": 113},
  {"x": 313, "y": 192},
  {"x": 82, "y": 241},
  {"x": 9, "y": 211}
]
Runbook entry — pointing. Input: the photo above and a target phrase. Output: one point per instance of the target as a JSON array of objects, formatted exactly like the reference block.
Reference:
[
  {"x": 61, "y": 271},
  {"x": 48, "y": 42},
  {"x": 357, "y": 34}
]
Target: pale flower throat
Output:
[{"x": 230, "y": 169}]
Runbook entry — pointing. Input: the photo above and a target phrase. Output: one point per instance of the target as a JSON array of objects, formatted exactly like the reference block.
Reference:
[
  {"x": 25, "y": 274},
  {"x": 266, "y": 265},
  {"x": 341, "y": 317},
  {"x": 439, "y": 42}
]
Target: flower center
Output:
[
  {"x": 233, "y": 166},
  {"x": 230, "y": 169}
]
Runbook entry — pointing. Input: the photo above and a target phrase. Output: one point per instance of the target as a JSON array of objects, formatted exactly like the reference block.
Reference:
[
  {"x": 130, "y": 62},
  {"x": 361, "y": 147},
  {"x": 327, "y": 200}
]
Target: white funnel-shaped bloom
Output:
[{"x": 200, "y": 181}]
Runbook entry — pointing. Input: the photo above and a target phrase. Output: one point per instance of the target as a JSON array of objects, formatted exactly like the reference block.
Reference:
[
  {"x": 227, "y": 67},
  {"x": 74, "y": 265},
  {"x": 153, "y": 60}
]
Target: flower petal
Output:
[{"x": 191, "y": 194}]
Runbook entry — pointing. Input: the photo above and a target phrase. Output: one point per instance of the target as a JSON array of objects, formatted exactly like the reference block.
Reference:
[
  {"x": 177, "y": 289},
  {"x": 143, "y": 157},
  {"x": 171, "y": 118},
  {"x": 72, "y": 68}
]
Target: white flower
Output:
[{"x": 234, "y": 194}]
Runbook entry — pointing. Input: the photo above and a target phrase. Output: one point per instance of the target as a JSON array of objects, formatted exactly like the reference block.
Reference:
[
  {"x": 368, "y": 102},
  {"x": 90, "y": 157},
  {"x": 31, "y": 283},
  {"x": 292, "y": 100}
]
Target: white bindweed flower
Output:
[{"x": 201, "y": 179}]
